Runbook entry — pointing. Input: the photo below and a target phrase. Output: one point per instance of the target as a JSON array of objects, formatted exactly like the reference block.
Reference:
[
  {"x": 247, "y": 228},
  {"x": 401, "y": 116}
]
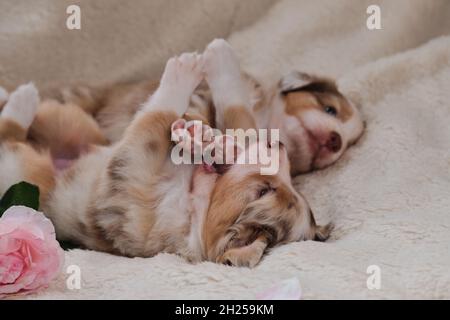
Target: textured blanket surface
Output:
[{"x": 389, "y": 196}]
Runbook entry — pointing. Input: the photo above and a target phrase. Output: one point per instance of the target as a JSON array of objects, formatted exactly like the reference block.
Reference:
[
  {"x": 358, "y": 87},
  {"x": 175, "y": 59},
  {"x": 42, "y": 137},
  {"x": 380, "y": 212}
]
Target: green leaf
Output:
[
  {"x": 67, "y": 245},
  {"x": 20, "y": 194}
]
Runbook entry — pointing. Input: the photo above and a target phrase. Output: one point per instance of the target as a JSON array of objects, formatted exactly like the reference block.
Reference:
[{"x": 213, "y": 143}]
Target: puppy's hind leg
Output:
[
  {"x": 228, "y": 88},
  {"x": 18, "y": 113}
]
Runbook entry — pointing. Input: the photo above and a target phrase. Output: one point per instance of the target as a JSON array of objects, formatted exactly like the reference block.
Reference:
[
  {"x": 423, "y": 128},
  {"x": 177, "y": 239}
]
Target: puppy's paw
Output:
[
  {"x": 223, "y": 74},
  {"x": 241, "y": 257},
  {"x": 22, "y": 104},
  {"x": 246, "y": 256},
  {"x": 221, "y": 64},
  {"x": 181, "y": 77},
  {"x": 183, "y": 73},
  {"x": 191, "y": 136}
]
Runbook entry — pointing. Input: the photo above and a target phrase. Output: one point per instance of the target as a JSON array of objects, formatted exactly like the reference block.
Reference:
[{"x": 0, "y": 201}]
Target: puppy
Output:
[
  {"x": 131, "y": 199},
  {"x": 316, "y": 122}
]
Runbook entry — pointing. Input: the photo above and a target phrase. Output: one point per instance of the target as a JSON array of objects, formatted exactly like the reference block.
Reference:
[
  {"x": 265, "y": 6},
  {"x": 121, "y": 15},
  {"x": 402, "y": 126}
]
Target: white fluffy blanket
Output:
[{"x": 389, "y": 196}]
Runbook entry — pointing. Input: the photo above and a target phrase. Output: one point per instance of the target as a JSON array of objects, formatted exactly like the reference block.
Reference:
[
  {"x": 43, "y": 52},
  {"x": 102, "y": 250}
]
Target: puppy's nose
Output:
[{"x": 334, "y": 143}]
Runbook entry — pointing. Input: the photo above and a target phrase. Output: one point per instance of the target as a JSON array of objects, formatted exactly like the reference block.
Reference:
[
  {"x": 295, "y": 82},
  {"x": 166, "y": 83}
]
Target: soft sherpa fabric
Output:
[{"x": 389, "y": 195}]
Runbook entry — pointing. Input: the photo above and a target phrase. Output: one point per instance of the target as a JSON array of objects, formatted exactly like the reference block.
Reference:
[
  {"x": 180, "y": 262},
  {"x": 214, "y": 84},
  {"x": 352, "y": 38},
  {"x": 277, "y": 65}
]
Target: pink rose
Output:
[{"x": 30, "y": 256}]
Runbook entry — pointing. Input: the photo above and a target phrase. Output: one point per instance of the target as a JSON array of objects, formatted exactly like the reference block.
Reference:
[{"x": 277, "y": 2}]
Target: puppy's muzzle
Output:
[{"x": 334, "y": 142}]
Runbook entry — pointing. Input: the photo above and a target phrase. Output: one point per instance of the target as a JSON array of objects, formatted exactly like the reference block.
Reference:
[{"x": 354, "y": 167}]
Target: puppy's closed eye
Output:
[
  {"x": 263, "y": 192},
  {"x": 265, "y": 188}
]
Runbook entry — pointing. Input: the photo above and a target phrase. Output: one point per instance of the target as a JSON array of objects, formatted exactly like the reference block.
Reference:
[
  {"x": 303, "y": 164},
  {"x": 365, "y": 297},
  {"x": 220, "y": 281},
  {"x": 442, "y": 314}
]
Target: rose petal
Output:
[
  {"x": 9, "y": 245},
  {"x": 23, "y": 217},
  {"x": 11, "y": 266}
]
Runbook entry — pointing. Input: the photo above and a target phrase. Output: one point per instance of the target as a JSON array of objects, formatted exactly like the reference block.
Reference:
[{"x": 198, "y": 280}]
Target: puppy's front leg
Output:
[
  {"x": 181, "y": 76},
  {"x": 149, "y": 133},
  {"x": 229, "y": 91},
  {"x": 137, "y": 164}
]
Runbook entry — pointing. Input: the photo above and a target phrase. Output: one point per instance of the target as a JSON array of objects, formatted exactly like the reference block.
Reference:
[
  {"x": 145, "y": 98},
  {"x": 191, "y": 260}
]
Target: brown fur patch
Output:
[
  {"x": 65, "y": 129},
  {"x": 97, "y": 235},
  {"x": 195, "y": 116},
  {"x": 38, "y": 169},
  {"x": 11, "y": 131},
  {"x": 152, "y": 133},
  {"x": 238, "y": 117},
  {"x": 115, "y": 167},
  {"x": 300, "y": 101}
]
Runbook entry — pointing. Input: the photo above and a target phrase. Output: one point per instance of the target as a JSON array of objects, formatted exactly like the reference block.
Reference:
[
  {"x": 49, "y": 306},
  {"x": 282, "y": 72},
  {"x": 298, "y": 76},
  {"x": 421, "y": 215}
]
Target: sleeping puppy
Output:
[
  {"x": 316, "y": 122},
  {"x": 131, "y": 199}
]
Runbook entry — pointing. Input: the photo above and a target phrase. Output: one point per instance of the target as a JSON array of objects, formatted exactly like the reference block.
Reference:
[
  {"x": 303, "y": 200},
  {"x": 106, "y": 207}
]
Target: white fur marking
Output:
[
  {"x": 181, "y": 76},
  {"x": 224, "y": 76},
  {"x": 22, "y": 105},
  {"x": 12, "y": 171}
]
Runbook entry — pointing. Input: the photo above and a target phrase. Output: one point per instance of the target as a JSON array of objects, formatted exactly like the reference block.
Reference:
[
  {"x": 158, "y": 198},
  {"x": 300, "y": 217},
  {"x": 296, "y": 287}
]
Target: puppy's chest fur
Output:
[{"x": 202, "y": 185}]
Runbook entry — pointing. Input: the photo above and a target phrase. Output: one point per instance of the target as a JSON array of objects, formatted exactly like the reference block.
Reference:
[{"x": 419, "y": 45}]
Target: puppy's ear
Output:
[
  {"x": 299, "y": 81},
  {"x": 245, "y": 256},
  {"x": 322, "y": 233}
]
